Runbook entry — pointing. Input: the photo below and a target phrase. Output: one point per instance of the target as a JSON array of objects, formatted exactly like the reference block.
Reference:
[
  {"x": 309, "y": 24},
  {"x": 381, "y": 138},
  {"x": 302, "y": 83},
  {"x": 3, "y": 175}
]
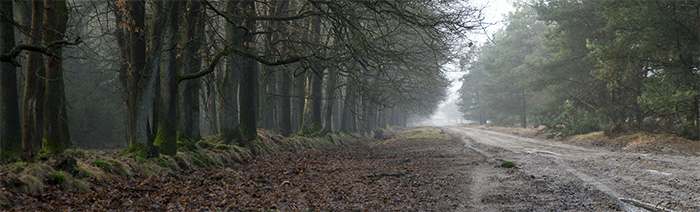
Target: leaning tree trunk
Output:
[
  {"x": 33, "y": 89},
  {"x": 10, "y": 136},
  {"x": 192, "y": 54}
]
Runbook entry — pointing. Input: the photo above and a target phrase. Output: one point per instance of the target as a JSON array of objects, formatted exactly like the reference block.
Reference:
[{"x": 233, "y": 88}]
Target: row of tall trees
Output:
[
  {"x": 223, "y": 67},
  {"x": 580, "y": 66}
]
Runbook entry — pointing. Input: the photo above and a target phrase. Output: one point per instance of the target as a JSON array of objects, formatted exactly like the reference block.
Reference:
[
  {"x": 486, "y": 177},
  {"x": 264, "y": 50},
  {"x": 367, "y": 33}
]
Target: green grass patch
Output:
[
  {"x": 508, "y": 164},
  {"x": 57, "y": 177}
]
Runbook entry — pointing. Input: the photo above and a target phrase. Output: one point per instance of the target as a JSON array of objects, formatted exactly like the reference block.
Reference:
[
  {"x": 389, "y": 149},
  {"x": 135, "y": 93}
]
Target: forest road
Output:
[{"x": 553, "y": 176}]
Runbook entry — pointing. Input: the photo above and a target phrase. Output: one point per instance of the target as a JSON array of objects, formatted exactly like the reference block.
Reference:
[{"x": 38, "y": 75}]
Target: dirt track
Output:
[{"x": 553, "y": 176}]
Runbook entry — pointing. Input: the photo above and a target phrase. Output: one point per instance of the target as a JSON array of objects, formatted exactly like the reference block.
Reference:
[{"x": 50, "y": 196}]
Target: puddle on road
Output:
[
  {"x": 636, "y": 205},
  {"x": 534, "y": 151},
  {"x": 658, "y": 172}
]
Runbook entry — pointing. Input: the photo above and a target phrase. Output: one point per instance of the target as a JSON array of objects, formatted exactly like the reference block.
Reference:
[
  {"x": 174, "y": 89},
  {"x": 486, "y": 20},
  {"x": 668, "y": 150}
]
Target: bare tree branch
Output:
[{"x": 47, "y": 50}]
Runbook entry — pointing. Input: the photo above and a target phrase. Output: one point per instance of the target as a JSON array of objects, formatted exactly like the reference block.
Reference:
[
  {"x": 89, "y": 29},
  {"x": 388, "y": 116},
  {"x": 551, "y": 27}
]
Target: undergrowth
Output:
[{"x": 71, "y": 169}]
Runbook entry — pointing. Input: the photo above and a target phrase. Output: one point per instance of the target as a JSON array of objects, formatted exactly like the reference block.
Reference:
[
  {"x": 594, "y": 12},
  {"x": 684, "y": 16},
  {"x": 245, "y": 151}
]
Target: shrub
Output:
[
  {"x": 378, "y": 133},
  {"x": 571, "y": 121}
]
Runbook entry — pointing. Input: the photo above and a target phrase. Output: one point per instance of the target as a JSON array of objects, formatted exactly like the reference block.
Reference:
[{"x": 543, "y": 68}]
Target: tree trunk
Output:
[
  {"x": 228, "y": 101},
  {"x": 10, "y": 136},
  {"x": 145, "y": 86},
  {"x": 122, "y": 40},
  {"x": 166, "y": 138},
  {"x": 190, "y": 89},
  {"x": 283, "y": 103},
  {"x": 267, "y": 100},
  {"x": 298, "y": 100},
  {"x": 248, "y": 94},
  {"x": 330, "y": 99},
  {"x": 32, "y": 102},
  {"x": 316, "y": 87},
  {"x": 347, "y": 122},
  {"x": 56, "y": 17}
]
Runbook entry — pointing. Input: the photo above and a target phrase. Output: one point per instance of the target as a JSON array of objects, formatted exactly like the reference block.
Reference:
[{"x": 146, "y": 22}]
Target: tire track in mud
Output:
[{"x": 563, "y": 167}]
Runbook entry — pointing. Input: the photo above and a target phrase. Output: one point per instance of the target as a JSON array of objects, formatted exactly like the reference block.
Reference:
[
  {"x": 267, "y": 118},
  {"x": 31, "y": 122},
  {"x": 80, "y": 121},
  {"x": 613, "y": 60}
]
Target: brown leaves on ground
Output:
[{"x": 399, "y": 175}]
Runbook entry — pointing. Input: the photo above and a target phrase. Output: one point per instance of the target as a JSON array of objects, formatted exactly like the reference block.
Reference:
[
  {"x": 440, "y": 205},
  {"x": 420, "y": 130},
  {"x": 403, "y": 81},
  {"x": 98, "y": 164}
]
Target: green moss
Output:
[
  {"x": 248, "y": 133},
  {"x": 4, "y": 202},
  {"x": 85, "y": 173},
  {"x": 136, "y": 149},
  {"x": 57, "y": 177},
  {"x": 49, "y": 146},
  {"x": 304, "y": 131},
  {"x": 508, "y": 164},
  {"x": 19, "y": 168},
  {"x": 223, "y": 147},
  {"x": 181, "y": 162},
  {"x": 11, "y": 150},
  {"x": 166, "y": 139},
  {"x": 198, "y": 162},
  {"x": 231, "y": 136},
  {"x": 42, "y": 157},
  {"x": 204, "y": 144},
  {"x": 102, "y": 165},
  {"x": 140, "y": 159}
]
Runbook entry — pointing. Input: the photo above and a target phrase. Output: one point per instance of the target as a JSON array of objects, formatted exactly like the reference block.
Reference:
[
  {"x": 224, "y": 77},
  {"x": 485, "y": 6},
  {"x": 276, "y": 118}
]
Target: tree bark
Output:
[
  {"x": 283, "y": 103},
  {"x": 144, "y": 91},
  {"x": 347, "y": 122},
  {"x": 316, "y": 87},
  {"x": 166, "y": 138},
  {"x": 56, "y": 18},
  {"x": 298, "y": 100},
  {"x": 248, "y": 93},
  {"x": 32, "y": 102},
  {"x": 330, "y": 99},
  {"x": 228, "y": 100},
  {"x": 10, "y": 136},
  {"x": 192, "y": 54},
  {"x": 267, "y": 100}
]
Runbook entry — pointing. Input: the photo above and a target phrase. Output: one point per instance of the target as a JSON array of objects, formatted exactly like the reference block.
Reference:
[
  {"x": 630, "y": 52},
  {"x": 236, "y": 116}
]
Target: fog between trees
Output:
[{"x": 139, "y": 75}]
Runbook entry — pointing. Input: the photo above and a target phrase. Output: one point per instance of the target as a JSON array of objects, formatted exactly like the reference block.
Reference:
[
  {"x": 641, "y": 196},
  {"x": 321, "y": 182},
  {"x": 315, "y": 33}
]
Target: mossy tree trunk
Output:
[
  {"x": 143, "y": 85},
  {"x": 55, "y": 139},
  {"x": 192, "y": 55},
  {"x": 32, "y": 101},
  {"x": 166, "y": 138},
  {"x": 10, "y": 136}
]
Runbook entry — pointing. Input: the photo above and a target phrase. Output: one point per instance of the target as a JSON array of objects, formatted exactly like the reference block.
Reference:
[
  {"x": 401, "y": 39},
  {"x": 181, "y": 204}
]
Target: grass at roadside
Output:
[{"x": 79, "y": 170}]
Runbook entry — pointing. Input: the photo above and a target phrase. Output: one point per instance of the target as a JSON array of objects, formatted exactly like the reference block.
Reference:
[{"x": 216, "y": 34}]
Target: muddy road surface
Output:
[{"x": 553, "y": 176}]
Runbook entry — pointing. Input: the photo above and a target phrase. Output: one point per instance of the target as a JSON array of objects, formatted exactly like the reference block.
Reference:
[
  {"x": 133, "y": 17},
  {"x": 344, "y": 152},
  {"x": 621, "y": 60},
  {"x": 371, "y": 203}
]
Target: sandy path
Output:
[{"x": 557, "y": 176}]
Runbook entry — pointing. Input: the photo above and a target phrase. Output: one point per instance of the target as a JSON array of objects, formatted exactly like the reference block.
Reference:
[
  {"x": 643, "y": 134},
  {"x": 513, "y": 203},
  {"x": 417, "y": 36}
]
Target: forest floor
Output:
[{"x": 417, "y": 169}]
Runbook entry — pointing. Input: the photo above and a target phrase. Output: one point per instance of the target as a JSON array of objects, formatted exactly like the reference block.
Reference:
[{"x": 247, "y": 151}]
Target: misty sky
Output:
[{"x": 494, "y": 13}]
